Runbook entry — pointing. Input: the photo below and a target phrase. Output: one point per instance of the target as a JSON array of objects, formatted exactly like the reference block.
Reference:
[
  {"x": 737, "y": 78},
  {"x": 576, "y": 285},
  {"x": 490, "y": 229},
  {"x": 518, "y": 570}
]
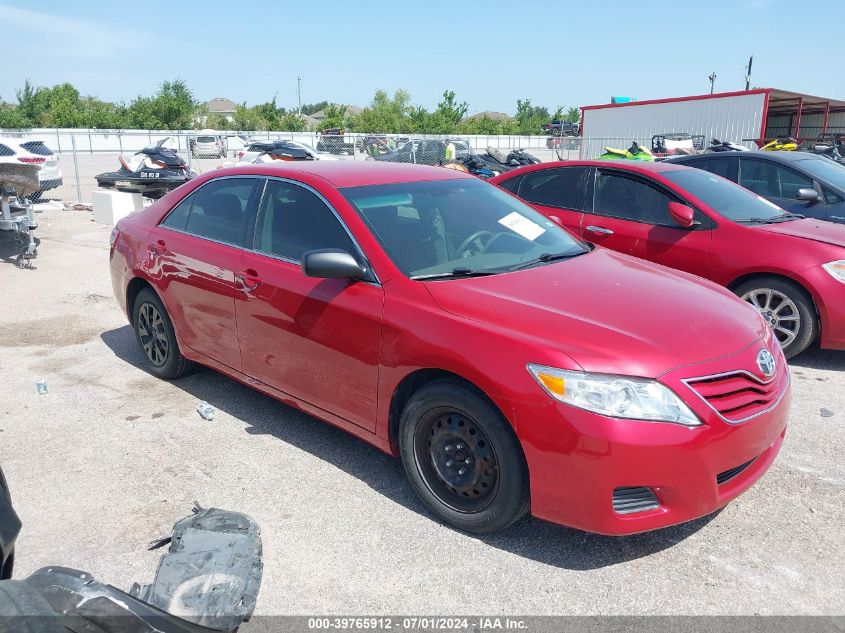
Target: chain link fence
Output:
[{"x": 82, "y": 154}]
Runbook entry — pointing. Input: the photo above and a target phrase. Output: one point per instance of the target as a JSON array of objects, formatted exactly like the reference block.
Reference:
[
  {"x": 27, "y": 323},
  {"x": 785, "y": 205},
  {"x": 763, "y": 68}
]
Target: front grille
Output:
[
  {"x": 737, "y": 396},
  {"x": 733, "y": 472},
  {"x": 634, "y": 499}
]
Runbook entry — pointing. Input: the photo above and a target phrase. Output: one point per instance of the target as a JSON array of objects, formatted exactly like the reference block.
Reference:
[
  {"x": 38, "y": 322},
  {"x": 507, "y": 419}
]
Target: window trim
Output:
[
  {"x": 524, "y": 177},
  {"x": 705, "y": 223},
  {"x": 249, "y": 204},
  {"x": 372, "y": 276}
]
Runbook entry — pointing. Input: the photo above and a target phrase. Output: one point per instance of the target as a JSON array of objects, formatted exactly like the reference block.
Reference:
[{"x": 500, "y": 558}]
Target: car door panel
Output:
[
  {"x": 193, "y": 255},
  {"x": 315, "y": 339},
  {"x": 646, "y": 230}
]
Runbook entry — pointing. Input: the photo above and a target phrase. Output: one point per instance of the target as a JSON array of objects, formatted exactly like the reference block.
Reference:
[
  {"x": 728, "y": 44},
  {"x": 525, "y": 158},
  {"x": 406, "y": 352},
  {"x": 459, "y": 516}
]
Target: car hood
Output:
[
  {"x": 609, "y": 312},
  {"x": 810, "y": 229}
]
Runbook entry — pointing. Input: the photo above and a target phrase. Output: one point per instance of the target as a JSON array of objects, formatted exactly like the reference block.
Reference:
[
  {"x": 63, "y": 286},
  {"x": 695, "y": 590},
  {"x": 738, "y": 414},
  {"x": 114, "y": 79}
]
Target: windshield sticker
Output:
[{"x": 523, "y": 226}]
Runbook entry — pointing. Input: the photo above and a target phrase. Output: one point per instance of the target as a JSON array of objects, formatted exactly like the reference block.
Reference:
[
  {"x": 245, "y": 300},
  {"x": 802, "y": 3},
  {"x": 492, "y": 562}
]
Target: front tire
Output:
[
  {"x": 156, "y": 337},
  {"x": 463, "y": 459},
  {"x": 787, "y": 308}
]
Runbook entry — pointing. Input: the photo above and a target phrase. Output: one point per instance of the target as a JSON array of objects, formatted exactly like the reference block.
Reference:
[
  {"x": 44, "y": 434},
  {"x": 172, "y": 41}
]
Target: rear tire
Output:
[
  {"x": 24, "y": 610},
  {"x": 156, "y": 337},
  {"x": 788, "y": 309},
  {"x": 463, "y": 459}
]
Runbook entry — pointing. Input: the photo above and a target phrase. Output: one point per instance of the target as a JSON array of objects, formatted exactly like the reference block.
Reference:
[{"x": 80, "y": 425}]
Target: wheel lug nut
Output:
[
  {"x": 459, "y": 446},
  {"x": 449, "y": 463},
  {"x": 448, "y": 447},
  {"x": 462, "y": 471},
  {"x": 467, "y": 460}
]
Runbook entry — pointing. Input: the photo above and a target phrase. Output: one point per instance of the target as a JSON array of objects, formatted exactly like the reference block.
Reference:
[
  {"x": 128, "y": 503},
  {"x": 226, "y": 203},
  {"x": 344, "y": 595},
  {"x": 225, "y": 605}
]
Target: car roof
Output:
[
  {"x": 637, "y": 166},
  {"x": 775, "y": 157},
  {"x": 346, "y": 173}
]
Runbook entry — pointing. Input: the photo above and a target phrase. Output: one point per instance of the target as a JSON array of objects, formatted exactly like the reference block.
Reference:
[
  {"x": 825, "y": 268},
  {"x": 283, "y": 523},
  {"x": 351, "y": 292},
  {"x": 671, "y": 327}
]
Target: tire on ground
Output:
[
  {"x": 511, "y": 497},
  {"x": 176, "y": 365},
  {"x": 809, "y": 328}
]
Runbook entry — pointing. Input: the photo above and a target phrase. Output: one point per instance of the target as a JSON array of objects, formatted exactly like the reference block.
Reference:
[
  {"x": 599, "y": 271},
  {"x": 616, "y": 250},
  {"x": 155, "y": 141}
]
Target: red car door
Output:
[
  {"x": 193, "y": 254},
  {"x": 315, "y": 339},
  {"x": 637, "y": 210},
  {"x": 558, "y": 192}
]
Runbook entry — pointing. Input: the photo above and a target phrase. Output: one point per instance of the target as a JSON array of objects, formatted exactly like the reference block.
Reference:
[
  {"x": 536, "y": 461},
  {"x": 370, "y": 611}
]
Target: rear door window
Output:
[
  {"x": 219, "y": 210},
  {"x": 723, "y": 167},
  {"x": 562, "y": 187}
]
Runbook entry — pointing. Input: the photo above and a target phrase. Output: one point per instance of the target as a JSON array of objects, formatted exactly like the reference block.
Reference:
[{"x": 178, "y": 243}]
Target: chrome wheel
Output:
[
  {"x": 779, "y": 311},
  {"x": 153, "y": 334}
]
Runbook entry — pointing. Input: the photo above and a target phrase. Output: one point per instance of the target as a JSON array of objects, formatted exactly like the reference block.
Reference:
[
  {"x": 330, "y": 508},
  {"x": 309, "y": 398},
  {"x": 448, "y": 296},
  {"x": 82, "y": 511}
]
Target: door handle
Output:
[
  {"x": 599, "y": 229},
  {"x": 249, "y": 279}
]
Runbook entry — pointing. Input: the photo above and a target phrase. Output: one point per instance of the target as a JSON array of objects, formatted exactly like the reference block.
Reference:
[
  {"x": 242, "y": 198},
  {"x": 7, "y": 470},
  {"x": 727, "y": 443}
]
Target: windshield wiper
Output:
[
  {"x": 546, "y": 257},
  {"x": 782, "y": 217},
  {"x": 457, "y": 272}
]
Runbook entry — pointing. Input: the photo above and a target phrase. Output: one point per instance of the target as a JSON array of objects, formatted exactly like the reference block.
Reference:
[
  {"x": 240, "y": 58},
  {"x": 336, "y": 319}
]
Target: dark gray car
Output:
[
  {"x": 798, "y": 182},
  {"x": 10, "y": 526}
]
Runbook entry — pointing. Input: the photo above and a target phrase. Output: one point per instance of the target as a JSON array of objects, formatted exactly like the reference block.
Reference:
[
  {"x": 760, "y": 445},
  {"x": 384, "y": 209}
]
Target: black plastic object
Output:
[
  {"x": 331, "y": 263},
  {"x": 212, "y": 571},
  {"x": 207, "y": 582}
]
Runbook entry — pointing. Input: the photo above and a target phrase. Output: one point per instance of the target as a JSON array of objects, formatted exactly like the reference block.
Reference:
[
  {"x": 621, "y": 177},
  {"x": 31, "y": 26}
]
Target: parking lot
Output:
[{"x": 111, "y": 457}]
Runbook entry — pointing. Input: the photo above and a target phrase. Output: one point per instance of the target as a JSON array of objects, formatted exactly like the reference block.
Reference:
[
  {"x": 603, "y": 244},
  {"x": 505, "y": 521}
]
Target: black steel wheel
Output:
[
  {"x": 463, "y": 458},
  {"x": 156, "y": 338},
  {"x": 456, "y": 459}
]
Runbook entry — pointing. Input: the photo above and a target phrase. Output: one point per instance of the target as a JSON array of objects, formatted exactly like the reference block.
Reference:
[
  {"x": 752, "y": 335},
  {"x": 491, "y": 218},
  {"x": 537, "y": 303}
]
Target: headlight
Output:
[
  {"x": 614, "y": 396},
  {"x": 836, "y": 269}
]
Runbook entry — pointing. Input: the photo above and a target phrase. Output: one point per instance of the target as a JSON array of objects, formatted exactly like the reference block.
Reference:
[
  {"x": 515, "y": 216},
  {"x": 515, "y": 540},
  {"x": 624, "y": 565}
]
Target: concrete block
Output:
[{"x": 111, "y": 206}]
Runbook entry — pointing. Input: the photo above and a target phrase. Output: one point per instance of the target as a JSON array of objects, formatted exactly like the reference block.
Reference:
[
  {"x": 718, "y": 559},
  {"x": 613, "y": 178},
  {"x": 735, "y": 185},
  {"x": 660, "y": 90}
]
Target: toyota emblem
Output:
[{"x": 766, "y": 362}]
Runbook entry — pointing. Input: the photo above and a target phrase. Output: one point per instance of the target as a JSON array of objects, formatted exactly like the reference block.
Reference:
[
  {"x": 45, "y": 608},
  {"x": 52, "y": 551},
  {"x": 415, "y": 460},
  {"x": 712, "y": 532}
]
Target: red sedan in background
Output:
[
  {"x": 791, "y": 269},
  {"x": 509, "y": 364}
]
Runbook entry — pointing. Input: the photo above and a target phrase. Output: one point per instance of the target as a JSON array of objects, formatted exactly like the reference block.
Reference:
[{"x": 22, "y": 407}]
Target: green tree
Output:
[
  {"x": 385, "y": 114},
  {"x": 335, "y": 117},
  {"x": 172, "y": 107},
  {"x": 311, "y": 108}
]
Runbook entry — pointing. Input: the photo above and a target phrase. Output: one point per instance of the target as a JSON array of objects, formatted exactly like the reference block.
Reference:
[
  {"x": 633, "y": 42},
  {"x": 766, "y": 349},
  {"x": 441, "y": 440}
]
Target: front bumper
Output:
[
  {"x": 576, "y": 459},
  {"x": 829, "y": 297}
]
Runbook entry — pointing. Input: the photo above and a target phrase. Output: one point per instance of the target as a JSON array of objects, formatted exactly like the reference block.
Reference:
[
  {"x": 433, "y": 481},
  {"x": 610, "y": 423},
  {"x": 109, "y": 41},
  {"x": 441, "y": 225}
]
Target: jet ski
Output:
[
  {"x": 279, "y": 150},
  {"x": 501, "y": 162},
  {"x": 153, "y": 172}
]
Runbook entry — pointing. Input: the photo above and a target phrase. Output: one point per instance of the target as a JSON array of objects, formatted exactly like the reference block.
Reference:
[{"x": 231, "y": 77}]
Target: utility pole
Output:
[
  {"x": 748, "y": 73},
  {"x": 299, "y": 94},
  {"x": 712, "y": 78}
]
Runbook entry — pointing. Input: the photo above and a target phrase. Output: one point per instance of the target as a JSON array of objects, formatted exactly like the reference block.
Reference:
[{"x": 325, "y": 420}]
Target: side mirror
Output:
[
  {"x": 682, "y": 214},
  {"x": 331, "y": 263},
  {"x": 808, "y": 195}
]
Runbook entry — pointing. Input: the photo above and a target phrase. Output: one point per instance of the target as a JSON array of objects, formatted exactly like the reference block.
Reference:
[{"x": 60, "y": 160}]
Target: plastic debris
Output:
[
  {"x": 206, "y": 410},
  {"x": 41, "y": 385},
  {"x": 825, "y": 413}
]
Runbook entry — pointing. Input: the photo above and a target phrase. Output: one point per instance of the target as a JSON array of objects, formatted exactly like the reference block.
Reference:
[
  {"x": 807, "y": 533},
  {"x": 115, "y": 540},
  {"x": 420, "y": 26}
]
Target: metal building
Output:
[{"x": 747, "y": 116}]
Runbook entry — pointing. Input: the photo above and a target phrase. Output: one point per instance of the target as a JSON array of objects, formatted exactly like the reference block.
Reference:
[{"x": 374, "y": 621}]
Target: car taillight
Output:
[{"x": 32, "y": 159}]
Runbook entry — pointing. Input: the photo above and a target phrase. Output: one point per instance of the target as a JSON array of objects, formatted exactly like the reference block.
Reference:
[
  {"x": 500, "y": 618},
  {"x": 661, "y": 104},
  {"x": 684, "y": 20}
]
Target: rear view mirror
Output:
[
  {"x": 808, "y": 195},
  {"x": 331, "y": 263},
  {"x": 682, "y": 214}
]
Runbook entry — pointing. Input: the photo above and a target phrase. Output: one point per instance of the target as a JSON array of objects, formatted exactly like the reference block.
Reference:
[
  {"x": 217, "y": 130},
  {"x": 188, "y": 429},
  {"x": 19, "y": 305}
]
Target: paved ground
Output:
[{"x": 111, "y": 457}]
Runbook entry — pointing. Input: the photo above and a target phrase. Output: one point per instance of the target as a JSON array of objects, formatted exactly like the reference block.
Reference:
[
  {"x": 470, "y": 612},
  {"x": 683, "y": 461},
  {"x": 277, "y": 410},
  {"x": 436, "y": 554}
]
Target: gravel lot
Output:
[{"x": 111, "y": 457}]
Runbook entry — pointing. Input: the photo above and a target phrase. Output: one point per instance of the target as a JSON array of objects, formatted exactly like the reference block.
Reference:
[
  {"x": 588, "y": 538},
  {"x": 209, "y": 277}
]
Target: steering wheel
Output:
[{"x": 470, "y": 239}]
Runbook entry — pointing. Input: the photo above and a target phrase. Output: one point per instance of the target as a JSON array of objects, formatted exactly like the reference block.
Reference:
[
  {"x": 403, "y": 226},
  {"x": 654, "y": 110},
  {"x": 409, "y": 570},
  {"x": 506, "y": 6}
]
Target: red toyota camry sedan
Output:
[
  {"x": 790, "y": 268},
  {"x": 510, "y": 365}
]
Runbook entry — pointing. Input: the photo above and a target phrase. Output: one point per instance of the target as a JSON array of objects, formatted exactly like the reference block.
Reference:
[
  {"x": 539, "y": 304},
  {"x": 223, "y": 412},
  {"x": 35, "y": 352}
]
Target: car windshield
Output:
[
  {"x": 723, "y": 196},
  {"x": 826, "y": 170},
  {"x": 461, "y": 227}
]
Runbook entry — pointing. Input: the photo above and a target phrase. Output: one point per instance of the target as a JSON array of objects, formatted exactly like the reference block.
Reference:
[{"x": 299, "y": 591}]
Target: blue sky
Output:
[{"x": 490, "y": 52}]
